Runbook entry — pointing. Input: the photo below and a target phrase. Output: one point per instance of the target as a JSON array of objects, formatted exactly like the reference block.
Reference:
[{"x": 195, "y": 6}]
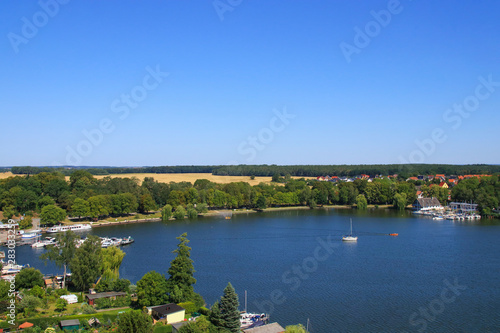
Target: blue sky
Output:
[{"x": 249, "y": 82}]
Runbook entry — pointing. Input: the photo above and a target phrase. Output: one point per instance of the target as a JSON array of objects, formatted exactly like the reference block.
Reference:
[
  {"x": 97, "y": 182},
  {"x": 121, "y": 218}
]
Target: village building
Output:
[
  {"x": 168, "y": 313},
  {"x": 463, "y": 207},
  {"x": 427, "y": 204}
]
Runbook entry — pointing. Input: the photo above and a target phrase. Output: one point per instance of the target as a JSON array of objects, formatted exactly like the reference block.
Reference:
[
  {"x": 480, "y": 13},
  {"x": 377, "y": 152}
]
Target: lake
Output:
[{"x": 436, "y": 276}]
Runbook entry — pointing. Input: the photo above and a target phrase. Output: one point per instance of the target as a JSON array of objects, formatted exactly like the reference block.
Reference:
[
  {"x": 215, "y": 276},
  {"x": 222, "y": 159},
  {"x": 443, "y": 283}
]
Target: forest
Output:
[{"x": 403, "y": 170}]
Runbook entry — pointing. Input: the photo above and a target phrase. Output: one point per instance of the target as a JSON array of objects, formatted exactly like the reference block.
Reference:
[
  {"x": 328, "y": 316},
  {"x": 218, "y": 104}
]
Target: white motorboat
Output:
[{"x": 30, "y": 235}]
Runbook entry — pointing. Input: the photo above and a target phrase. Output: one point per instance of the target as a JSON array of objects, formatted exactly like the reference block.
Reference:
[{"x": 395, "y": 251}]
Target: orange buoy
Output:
[{"x": 393, "y": 234}]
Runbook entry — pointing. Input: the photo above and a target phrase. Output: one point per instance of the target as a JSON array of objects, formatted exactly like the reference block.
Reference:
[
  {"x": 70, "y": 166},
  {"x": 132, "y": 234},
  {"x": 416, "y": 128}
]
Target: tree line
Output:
[
  {"x": 84, "y": 196},
  {"x": 405, "y": 170}
]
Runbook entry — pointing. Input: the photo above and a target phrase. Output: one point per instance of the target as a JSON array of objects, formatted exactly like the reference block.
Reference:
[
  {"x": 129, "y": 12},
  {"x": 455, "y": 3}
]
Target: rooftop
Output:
[{"x": 166, "y": 309}]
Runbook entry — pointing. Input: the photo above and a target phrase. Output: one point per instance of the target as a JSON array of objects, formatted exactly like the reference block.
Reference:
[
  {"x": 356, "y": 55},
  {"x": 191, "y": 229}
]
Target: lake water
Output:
[{"x": 436, "y": 276}]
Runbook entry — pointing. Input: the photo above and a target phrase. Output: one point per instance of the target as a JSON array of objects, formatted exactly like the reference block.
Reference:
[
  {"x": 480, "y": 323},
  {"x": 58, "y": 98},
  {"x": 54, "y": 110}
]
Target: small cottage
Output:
[{"x": 169, "y": 313}]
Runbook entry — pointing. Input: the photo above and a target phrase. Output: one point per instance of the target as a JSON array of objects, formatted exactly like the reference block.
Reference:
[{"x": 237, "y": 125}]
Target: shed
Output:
[
  {"x": 110, "y": 294},
  {"x": 270, "y": 328},
  {"x": 71, "y": 299},
  {"x": 71, "y": 324},
  {"x": 170, "y": 313}
]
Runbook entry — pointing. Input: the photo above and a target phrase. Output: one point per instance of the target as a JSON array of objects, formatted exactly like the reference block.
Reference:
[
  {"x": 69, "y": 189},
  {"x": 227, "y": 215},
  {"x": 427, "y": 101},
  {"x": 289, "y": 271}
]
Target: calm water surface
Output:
[{"x": 294, "y": 266}]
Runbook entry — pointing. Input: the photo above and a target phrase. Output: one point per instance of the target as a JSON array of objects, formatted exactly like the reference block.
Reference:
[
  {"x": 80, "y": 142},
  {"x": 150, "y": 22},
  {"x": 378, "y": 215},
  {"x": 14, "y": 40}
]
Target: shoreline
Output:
[{"x": 223, "y": 213}]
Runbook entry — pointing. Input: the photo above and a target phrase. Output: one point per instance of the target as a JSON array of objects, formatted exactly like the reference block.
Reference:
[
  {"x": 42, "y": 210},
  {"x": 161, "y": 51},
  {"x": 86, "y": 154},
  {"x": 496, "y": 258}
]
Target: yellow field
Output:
[
  {"x": 4, "y": 175},
  {"x": 192, "y": 177},
  {"x": 179, "y": 177}
]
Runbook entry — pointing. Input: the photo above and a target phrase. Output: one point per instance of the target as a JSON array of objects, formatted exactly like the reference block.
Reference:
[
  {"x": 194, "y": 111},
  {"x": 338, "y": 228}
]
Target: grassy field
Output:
[{"x": 179, "y": 177}]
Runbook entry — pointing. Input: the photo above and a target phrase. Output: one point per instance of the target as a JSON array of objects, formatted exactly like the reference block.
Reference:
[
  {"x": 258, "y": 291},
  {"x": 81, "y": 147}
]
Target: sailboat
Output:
[{"x": 350, "y": 237}]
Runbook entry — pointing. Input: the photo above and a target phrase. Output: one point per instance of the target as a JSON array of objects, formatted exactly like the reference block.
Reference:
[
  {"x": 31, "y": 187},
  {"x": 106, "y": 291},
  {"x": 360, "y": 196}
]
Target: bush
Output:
[
  {"x": 103, "y": 303},
  {"x": 60, "y": 292},
  {"x": 202, "y": 208},
  {"x": 192, "y": 213},
  {"x": 204, "y": 311},
  {"x": 121, "y": 301},
  {"x": 179, "y": 213},
  {"x": 190, "y": 307},
  {"x": 61, "y": 304},
  {"x": 87, "y": 309}
]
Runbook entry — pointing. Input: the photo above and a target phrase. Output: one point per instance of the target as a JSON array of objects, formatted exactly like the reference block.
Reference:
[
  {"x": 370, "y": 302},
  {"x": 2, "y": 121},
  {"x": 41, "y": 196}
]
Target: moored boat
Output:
[{"x": 64, "y": 228}]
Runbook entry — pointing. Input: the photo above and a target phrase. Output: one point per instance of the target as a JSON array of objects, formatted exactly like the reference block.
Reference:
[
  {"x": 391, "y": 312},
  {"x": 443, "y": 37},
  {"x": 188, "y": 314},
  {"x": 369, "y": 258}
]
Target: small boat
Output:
[
  {"x": 393, "y": 234},
  {"x": 31, "y": 235},
  {"x": 350, "y": 237},
  {"x": 438, "y": 217},
  {"x": 12, "y": 269},
  {"x": 127, "y": 240}
]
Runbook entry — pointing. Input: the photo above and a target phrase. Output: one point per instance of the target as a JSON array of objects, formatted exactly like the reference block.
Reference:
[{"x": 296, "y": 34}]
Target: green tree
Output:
[
  {"x": 80, "y": 207},
  {"x": 61, "y": 304},
  {"x": 276, "y": 178},
  {"x": 202, "y": 208},
  {"x": 29, "y": 303},
  {"x": 181, "y": 272},
  {"x": 135, "y": 322},
  {"x": 86, "y": 264},
  {"x": 261, "y": 202},
  {"x": 63, "y": 253},
  {"x": 400, "y": 201},
  {"x": 192, "y": 213},
  {"x": 44, "y": 201},
  {"x": 52, "y": 214},
  {"x": 29, "y": 277},
  {"x": 361, "y": 201},
  {"x": 179, "y": 213},
  {"x": 166, "y": 212},
  {"x": 215, "y": 316},
  {"x": 26, "y": 223},
  {"x": 230, "y": 314},
  {"x": 100, "y": 205},
  {"x": 146, "y": 203},
  {"x": 152, "y": 289},
  {"x": 8, "y": 212},
  {"x": 111, "y": 260}
]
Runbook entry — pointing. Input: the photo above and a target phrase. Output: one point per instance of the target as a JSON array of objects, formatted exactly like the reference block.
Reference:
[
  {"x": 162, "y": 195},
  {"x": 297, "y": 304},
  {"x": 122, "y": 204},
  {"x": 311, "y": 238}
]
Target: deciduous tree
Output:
[{"x": 63, "y": 253}]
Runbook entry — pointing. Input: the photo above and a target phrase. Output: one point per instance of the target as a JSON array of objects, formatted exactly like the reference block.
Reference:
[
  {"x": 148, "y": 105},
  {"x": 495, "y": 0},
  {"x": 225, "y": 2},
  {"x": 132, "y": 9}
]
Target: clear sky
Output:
[{"x": 249, "y": 82}]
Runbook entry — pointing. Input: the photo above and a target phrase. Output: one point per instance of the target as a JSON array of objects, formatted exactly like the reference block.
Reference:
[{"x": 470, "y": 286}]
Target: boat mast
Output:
[
  {"x": 307, "y": 326},
  {"x": 245, "y": 301}
]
